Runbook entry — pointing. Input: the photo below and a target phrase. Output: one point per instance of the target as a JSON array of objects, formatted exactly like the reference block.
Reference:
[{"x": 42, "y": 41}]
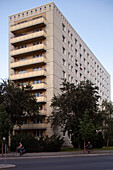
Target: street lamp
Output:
[{"x": 4, "y": 138}]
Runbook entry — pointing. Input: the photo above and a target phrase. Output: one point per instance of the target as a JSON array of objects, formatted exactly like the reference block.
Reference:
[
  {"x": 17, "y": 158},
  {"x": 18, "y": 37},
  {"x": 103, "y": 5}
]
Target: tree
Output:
[
  {"x": 18, "y": 101},
  {"x": 70, "y": 106},
  {"x": 107, "y": 110},
  {"x": 87, "y": 128},
  {"x": 5, "y": 125}
]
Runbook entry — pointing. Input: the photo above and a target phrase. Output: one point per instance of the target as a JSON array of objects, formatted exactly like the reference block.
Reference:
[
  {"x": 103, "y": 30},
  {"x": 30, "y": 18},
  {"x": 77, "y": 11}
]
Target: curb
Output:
[{"x": 5, "y": 166}]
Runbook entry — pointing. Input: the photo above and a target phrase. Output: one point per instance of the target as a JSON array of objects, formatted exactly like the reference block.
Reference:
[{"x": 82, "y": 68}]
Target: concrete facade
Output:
[{"x": 43, "y": 48}]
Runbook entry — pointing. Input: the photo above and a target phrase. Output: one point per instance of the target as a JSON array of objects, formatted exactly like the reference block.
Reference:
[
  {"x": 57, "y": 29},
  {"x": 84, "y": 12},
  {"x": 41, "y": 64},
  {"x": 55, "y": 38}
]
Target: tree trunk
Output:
[
  {"x": 78, "y": 144},
  {"x": 2, "y": 148},
  {"x": 84, "y": 146},
  {"x": 107, "y": 142}
]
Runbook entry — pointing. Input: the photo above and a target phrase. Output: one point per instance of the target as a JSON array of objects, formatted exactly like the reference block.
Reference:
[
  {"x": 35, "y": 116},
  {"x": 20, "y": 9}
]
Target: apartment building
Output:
[{"x": 43, "y": 48}]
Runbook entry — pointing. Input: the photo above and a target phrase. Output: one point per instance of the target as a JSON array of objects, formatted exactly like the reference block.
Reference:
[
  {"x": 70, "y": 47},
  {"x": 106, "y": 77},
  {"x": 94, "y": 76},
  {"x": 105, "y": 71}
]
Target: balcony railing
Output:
[
  {"x": 28, "y": 75},
  {"x": 43, "y": 112},
  {"x": 41, "y": 59},
  {"x": 39, "y": 86},
  {"x": 28, "y": 37},
  {"x": 31, "y": 126},
  {"x": 39, "y": 47},
  {"x": 27, "y": 24},
  {"x": 41, "y": 99}
]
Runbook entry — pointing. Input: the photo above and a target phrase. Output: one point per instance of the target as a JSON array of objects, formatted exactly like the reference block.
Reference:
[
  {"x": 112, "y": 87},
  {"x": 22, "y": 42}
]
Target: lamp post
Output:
[{"x": 4, "y": 138}]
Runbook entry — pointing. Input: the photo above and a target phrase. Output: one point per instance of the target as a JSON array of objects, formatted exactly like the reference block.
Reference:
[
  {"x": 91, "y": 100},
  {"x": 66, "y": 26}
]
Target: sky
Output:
[{"x": 92, "y": 20}]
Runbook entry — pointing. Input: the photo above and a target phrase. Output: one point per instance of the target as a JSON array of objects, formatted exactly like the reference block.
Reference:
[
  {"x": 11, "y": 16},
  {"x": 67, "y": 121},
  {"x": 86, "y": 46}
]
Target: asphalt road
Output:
[{"x": 66, "y": 163}]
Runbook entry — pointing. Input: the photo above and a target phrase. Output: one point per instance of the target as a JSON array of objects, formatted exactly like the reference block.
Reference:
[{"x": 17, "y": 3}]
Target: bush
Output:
[
  {"x": 98, "y": 141},
  {"x": 28, "y": 141},
  {"x": 44, "y": 144}
]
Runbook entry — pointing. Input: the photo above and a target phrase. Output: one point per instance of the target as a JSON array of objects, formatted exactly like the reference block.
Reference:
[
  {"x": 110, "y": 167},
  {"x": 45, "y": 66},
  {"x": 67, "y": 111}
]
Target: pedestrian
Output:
[{"x": 89, "y": 146}]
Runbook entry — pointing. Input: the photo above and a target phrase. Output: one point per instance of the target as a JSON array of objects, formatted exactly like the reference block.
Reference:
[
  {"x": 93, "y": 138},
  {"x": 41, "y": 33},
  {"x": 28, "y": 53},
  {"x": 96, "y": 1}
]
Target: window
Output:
[
  {"x": 80, "y": 56},
  {"x": 21, "y": 59},
  {"x": 76, "y": 71},
  {"x": 38, "y": 94},
  {"x": 68, "y": 44},
  {"x": 71, "y": 47},
  {"x": 63, "y": 74},
  {"x": 71, "y": 36},
  {"x": 72, "y": 68},
  {"x": 75, "y": 52},
  {"x": 63, "y": 27},
  {"x": 37, "y": 68},
  {"x": 22, "y": 71},
  {"x": 36, "y": 56},
  {"x": 37, "y": 43},
  {"x": 63, "y": 38},
  {"x": 63, "y": 62},
  {"x": 80, "y": 75},
  {"x": 76, "y": 62},
  {"x": 80, "y": 46},
  {"x": 37, "y": 81},
  {"x": 68, "y": 32},
  {"x": 75, "y": 40},
  {"x": 71, "y": 57},
  {"x": 68, "y": 77},
  {"x": 84, "y": 60},
  {"x": 63, "y": 50},
  {"x": 68, "y": 55},
  {"x": 68, "y": 66},
  {"x": 71, "y": 79}
]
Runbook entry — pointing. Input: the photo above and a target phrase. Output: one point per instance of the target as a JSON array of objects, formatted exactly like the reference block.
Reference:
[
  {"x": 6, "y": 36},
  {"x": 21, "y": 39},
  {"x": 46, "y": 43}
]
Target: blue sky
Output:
[{"x": 92, "y": 19}]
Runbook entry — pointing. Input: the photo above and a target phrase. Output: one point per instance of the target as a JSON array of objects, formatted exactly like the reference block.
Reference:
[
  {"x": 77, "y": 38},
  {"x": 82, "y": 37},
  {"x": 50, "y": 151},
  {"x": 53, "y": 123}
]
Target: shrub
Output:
[{"x": 44, "y": 144}]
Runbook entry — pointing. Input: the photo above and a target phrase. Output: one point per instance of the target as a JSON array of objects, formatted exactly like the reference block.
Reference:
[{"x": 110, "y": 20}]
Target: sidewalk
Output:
[
  {"x": 3, "y": 166},
  {"x": 14, "y": 155},
  {"x": 62, "y": 153}
]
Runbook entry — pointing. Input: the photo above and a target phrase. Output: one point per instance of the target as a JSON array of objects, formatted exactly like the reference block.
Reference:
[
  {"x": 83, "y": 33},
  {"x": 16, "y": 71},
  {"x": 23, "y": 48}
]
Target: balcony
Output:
[
  {"x": 39, "y": 86},
  {"x": 43, "y": 112},
  {"x": 28, "y": 37},
  {"x": 41, "y": 99},
  {"x": 26, "y": 62},
  {"x": 28, "y": 25},
  {"x": 28, "y": 75},
  {"x": 31, "y": 49},
  {"x": 31, "y": 126}
]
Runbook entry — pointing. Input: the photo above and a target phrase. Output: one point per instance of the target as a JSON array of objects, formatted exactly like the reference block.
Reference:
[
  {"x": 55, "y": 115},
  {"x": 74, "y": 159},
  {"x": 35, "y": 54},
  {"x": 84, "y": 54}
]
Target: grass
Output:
[{"x": 95, "y": 149}]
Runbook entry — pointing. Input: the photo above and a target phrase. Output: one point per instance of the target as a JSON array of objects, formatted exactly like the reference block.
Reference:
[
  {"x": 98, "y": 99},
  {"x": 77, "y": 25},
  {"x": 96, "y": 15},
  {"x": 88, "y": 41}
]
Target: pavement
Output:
[{"x": 14, "y": 155}]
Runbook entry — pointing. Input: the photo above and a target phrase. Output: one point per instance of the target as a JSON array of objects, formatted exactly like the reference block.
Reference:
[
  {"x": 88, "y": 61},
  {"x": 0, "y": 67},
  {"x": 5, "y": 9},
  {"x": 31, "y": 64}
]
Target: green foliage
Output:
[
  {"x": 5, "y": 125},
  {"x": 70, "y": 106},
  {"x": 107, "y": 111},
  {"x": 86, "y": 128},
  {"x": 97, "y": 141},
  {"x": 17, "y": 100},
  {"x": 44, "y": 144}
]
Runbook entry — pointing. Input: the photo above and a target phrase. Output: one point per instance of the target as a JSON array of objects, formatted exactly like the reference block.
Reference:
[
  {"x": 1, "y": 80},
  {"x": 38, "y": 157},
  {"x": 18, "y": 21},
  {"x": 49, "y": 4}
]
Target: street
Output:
[{"x": 63, "y": 163}]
